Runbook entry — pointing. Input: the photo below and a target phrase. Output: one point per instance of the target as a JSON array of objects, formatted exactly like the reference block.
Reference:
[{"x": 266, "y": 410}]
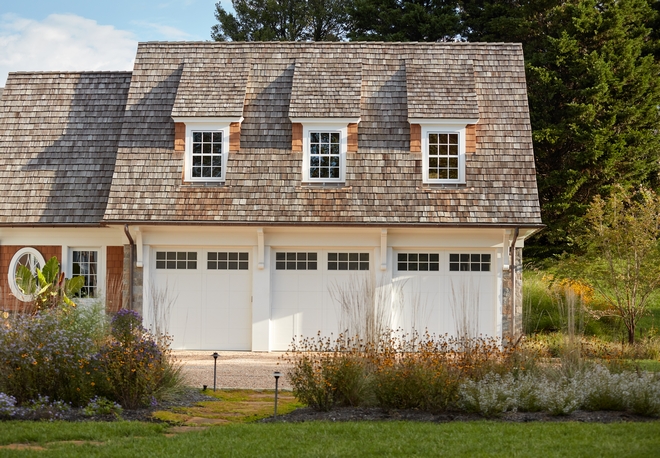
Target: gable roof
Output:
[
  {"x": 58, "y": 142},
  {"x": 384, "y": 84}
]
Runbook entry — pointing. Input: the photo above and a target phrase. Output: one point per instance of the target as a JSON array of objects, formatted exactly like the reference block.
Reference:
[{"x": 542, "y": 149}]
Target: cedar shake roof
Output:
[
  {"x": 384, "y": 84},
  {"x": 214, "y": 88},
  {"x": 383, "y": 179},
  {"x": 441, "y": 88},
  {"x": 58, "y": 143},
  {"x": 326, "y": 84}
]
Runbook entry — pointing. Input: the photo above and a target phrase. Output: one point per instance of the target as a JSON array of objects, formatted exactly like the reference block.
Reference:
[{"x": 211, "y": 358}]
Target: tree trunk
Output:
[{"x": 631, "y": 334}]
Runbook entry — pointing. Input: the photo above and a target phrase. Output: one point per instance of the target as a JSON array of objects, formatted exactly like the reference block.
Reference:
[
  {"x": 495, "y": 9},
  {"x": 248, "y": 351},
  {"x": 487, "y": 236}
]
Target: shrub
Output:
[
  {"x": 42, "y": 408},
  {"x": 491, "y": 396},
  {"x": 397, "y": 371},
  {"x": 133, "y": 366},
  {"x": 7, "y": 405},
  {"x": 41, "y": 355},
  {"x": 328, "y": 373},
  {"x": 102, "y": 406}
]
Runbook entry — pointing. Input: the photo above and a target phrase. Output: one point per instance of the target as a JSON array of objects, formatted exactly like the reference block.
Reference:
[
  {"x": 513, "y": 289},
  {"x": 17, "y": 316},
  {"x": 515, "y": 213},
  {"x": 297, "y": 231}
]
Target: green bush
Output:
[
  {"x": 41, "y": 356},
  {"x": 134, "y": 369},
  {"x": 70, "y": 355}
]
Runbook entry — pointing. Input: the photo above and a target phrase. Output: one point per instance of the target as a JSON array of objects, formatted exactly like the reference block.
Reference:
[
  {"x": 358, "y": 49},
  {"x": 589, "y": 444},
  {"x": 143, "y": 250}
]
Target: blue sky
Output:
[{"x": 94, "y": 34}]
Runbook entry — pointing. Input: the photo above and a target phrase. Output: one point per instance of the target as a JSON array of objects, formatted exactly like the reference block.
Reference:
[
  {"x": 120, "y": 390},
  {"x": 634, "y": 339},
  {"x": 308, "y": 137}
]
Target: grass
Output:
[
  {"x": 234, "y": 406},
  {"x": 481, "y": 438}
]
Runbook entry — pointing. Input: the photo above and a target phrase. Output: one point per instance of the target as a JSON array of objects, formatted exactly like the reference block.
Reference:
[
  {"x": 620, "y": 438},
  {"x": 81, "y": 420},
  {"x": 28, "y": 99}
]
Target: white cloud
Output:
[
  {"x": 62, "y": 42},
  {"x": 167, "y": 32}
]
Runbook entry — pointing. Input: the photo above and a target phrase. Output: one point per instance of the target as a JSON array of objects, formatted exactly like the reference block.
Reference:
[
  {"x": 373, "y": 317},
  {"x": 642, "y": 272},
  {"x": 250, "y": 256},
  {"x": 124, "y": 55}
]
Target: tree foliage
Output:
[
  {"x": 281, "y": 20},
  {"x": 621, "y": 242},
  {"x": 404, "y": 20},
  {"x": 594, "y": 94}
]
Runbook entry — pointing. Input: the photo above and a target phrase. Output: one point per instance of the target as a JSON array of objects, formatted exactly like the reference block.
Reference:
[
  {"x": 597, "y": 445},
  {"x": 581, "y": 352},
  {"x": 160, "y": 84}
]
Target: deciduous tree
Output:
[{"x": 622, "y": 252}]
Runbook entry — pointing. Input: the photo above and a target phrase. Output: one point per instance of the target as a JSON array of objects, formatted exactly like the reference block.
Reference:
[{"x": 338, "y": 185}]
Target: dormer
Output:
[
  {"x": 207, "y": 116},
  {"x": 325, "y": 112},
  {"x": 443, "y": 113}
]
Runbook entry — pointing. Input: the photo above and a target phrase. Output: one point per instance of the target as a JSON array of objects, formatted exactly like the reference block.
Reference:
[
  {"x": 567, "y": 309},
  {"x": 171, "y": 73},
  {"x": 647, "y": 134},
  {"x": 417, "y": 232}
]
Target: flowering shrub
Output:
[
  {"x": 133, "y": 367},
  {"x": 490, "y": 396},
  {"x": 594, "y": 388},
  {"x": 41, "y": 356},
  {"x": 474, "y": 375},
  {"x": 42, "y": 408},
  {"x": 7, "y": 405},
  {"x": 70, "y": 355},
  {"x": 394, "y": 372},
  {"x": 327, "y": 374},
  {"x": 102, "y": 406}
]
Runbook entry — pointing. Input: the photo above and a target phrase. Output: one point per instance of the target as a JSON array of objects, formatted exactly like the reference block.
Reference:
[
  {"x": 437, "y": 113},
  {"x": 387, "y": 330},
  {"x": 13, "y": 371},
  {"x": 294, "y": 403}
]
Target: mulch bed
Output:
[{"x": 378, "y": 414}]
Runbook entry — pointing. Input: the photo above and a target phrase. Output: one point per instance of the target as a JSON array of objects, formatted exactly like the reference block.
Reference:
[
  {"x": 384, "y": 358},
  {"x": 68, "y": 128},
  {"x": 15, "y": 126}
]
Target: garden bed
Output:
[{"x": 377, "y": 414}]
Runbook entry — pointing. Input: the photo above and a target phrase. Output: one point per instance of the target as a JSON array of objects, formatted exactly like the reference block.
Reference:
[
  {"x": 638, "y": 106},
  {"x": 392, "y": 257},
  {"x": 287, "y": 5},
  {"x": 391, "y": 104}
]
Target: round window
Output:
[{"x": 30, "y": 258}]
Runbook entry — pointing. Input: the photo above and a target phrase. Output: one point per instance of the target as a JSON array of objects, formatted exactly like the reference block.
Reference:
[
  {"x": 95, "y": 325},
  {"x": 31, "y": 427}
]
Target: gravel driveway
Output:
[{"x": 236, "y": 369}]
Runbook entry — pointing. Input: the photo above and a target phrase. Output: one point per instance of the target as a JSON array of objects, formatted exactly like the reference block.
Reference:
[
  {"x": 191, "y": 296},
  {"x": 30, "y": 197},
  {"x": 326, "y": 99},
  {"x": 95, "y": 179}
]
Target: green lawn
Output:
[{"x": 336, "y": 439}]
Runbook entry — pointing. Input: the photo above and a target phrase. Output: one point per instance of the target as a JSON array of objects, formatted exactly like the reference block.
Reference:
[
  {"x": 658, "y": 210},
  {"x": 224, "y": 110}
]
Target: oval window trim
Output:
[{"x": 11, "y": 275}]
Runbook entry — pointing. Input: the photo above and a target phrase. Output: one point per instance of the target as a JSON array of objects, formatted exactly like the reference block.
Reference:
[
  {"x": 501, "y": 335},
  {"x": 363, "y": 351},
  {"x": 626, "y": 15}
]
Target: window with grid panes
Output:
[
  {"x": 85, "y": 264},
  {"x": 223, "y": 260},
  {"x": 469, "y": 262},
  {"x": 178, "y": 260},
  {"x": 207, "y": 158},
  {"x": 414, "y": 262},
  {"x": 295, "y": 261},
  {"x": 324, "y": 155},
  {"x": 443, "y": 161},
  {"x": 348, "y": 261}
]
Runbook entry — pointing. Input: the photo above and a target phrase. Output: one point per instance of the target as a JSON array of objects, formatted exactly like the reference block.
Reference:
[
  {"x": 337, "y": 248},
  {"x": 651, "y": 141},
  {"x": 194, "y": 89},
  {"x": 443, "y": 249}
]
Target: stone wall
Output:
[
  {"x": 137, "y": 281},
  {"x": 512, "y": 308}
]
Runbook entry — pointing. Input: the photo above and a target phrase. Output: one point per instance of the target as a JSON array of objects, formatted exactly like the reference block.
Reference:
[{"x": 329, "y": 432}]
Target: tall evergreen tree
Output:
[
  {"x": 594, "y": 95},
  {"x": 403, "y": 20},
  {"x": 283, "y": 20}
]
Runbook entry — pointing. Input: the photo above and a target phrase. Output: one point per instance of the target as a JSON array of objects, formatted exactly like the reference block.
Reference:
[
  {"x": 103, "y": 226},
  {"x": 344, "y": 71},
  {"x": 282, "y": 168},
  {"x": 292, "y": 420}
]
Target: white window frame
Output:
[
  {"x": 325, "y": 125},
  {"x": 11, "y": 274},
  {"x": 454, "y": 126},
  {"x": 205, "y": 125},
  {"x": 100, "y": 271}
]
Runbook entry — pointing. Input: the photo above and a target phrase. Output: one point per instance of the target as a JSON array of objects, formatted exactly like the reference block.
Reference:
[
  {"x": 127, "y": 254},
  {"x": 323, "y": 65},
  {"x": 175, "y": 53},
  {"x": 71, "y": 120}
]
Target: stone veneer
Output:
[{"x": 508, "y": 303}]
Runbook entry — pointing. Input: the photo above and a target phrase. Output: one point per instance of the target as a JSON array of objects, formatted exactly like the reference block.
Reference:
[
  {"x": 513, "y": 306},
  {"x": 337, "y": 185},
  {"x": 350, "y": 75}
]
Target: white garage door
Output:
[
  {"x": 446, "y": 292},
  {"x": 302, "y": 302},
  {"x": 210, "y": 295}
]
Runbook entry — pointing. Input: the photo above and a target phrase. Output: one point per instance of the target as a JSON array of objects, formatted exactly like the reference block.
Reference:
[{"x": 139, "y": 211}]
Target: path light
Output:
[
  {"x": 215, "y": 367},
  {"x": 277, "y": 376}
]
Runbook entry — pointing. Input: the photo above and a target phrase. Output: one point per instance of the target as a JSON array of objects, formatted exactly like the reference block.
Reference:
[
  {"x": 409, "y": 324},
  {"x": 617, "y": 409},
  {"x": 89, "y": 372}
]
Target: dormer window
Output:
[
  {"x": 443, "y": 158},
  {"x": 206, "y": 148},
  {"x": 325, "y": 143},
  {"x": 324, "y": 155},
  {"x": 443, "y": 147}
]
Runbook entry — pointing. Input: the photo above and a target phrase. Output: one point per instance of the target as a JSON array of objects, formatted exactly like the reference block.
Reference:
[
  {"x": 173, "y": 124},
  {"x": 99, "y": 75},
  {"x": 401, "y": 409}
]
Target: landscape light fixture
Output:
[
  {"x": 215, "y": 367},
  {"x": 277, "y": 376}
]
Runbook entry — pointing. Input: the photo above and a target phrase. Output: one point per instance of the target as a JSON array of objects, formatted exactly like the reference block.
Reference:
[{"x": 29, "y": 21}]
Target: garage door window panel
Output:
[
  {"x": 418, "y": 262},
  {"x": 228, "y": 260},
  {"x": 348, "y": 261},
  {"x": 176, "y": 260},
  {"x": 469, "y": 262},
  {"x": 296, "y": 261}
]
